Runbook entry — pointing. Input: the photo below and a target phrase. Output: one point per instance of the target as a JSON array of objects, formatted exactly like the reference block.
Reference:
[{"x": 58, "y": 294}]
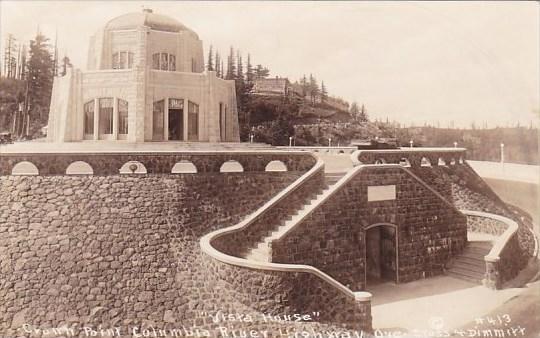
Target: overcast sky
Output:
[{"x": 413, "y": 62}]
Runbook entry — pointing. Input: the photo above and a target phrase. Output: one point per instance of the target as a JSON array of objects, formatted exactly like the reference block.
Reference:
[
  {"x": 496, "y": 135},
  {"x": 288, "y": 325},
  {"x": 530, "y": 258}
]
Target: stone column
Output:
[
  {"x": 492, "y": 278},
  {"x": 141, "y": 79},
  {"x": 363, "y": 303}
]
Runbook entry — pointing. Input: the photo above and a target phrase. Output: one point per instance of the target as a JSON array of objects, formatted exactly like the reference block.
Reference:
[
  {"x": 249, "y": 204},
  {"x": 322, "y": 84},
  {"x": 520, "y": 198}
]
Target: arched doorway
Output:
[{"x": 381, "y": 253}]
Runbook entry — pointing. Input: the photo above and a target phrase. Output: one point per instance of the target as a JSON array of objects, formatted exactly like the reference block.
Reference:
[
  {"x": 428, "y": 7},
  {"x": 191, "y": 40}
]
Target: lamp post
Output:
[
  {"x": 329, "y": 142},
  {"x": 290, "y": 141},
  {"x": 411, "y": 142},
  {"x": 502, "y": 153},
  {"x": 251, "y": 138},
  {"x": 455, "y": 144}
]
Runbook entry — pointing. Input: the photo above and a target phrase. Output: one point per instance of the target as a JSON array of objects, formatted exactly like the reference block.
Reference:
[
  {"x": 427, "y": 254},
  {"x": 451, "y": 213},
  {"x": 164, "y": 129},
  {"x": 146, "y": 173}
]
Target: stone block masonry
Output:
[
  {"x": 333, "y": 237},
  {"x": 117, "y": 250}
]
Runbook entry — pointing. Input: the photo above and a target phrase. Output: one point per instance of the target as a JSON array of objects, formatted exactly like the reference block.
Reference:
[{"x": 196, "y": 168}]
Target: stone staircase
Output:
[
  {"x": 470, "y": 264},
  {"x": 261, "y": 251}
]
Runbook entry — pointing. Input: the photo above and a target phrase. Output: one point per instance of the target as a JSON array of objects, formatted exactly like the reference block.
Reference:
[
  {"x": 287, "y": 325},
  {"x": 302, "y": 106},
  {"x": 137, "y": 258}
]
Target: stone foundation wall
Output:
[
  {"x": 283, "y": 292},
  {"x": 332, "y": 238},
  {"x": 115, "y": 250}
]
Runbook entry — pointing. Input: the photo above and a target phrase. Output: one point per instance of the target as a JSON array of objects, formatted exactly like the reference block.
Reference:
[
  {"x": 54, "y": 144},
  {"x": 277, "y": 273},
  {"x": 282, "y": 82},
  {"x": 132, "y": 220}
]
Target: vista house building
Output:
[{"x": 145, "y": 81}]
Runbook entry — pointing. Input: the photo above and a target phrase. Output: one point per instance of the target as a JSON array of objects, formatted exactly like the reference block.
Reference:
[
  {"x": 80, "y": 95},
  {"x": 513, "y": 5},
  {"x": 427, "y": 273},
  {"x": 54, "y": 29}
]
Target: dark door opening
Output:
[
  {"x": 176, "y": 124},
  {"x": 381, "y": 264}
]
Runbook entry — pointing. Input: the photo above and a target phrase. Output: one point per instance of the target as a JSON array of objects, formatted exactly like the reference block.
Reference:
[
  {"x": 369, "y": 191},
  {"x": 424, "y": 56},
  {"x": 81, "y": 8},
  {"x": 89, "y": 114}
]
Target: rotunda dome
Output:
[{"x": 146, "y": 18}]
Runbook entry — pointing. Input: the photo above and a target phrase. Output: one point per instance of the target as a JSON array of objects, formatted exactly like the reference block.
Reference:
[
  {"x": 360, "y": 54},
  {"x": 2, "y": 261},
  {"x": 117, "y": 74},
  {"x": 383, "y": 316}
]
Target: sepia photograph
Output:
[{"x": 269, "y": 169}]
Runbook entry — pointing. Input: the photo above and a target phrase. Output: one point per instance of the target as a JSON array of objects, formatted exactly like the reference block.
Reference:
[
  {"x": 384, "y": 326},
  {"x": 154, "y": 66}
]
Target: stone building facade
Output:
[{"x": 145, "y": 81}]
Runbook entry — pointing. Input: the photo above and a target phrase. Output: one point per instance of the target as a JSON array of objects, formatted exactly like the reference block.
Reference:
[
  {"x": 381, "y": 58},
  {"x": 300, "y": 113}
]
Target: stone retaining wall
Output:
[
  {"x": 332, "y": 238},
  {"x": 283, "y": 292},
  {"x": 115, "y": 250}
]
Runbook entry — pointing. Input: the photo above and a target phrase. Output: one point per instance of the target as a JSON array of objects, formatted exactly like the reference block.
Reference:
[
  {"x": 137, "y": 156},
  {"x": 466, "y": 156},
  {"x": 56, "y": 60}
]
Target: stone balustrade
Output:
[
  {"x": 153, "y": 162},
  {"x": 505, "y": 258},
  {"x": 413, "y": 157}
]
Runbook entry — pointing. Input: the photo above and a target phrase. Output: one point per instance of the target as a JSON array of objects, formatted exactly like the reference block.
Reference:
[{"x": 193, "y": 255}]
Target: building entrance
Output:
[{"x": 381, "y": 254}]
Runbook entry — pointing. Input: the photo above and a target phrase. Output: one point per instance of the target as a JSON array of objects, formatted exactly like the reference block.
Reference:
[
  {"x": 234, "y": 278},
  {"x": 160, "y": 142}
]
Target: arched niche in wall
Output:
[
  {"x": 275, "y": 166},
  {"x": 133, "y": 167},
  {"x": 404, "y": 162},
  {"x": 184, "y": 167},
  {"x": 25, "y": 168},
  {"x": 79, "y": 168},
  {"x": 231, "y": 166},
  {"x": 425, "y": 162}
]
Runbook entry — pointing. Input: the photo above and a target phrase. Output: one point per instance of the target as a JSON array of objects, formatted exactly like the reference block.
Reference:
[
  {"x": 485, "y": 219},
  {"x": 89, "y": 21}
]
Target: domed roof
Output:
[{"x": 146, "y": 18}]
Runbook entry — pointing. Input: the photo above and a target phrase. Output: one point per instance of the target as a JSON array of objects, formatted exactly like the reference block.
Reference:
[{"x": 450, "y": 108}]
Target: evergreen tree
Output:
[
  {"x": 65, "y": 64},
  {"x": 324, "y": 92},
  {"x": 218, "y": 65},
  {"x": 231, "y": 65},
  {"x": 239, "y": 67},
  {"x": 304, "y": 84},
  {"x": 261, "y": 72},
  {"x": 210, "y": 63},
  {"x": 40, "y": 77},
  {"x": 362, "y": 114},
  {"x": 313, "y": 89},
  {"x": 222, "y": 70},
  {"x": 354, "y": 111},
  {"x": 249, "y": 70}
]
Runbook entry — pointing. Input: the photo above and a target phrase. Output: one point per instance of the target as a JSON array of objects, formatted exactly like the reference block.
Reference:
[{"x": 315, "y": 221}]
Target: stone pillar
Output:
[
  {"x": 141, "y": 79},
  {"x": 492, "y": 278},
  {"x": 363, "y": 303}
]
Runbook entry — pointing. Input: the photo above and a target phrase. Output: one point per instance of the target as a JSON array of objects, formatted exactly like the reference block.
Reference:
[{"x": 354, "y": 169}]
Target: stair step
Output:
[
  {"x": 463, "y": 265},
  {"x": 476, "y": 251},
  {"x": 472, "y": 255},
  {"x": 465, "y": 272},
  {"x": 476, "y": 261},
  {"x": 465, "y": 276},
  {"x": 480, "y": 244}
]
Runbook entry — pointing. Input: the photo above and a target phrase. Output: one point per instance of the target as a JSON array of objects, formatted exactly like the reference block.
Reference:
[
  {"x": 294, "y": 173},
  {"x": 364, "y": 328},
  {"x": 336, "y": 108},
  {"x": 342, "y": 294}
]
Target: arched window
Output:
[
  {"x": 89, "y": 118},
  {"x": 164, "y": 61},
  {"x": 193, "y": 121},
  {"x": 158, "y": 121},
  {"x": 106, "y": 116},
  {"x": 172, "y": 63},
  {"x": 122, "y": 116},
  {"x": 122, "y": 60}
]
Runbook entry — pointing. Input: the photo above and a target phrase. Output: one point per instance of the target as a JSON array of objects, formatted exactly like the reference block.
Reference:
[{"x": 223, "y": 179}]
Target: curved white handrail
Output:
[
  {"x": 502, "y": 240},
  {"x": 206, "y": 243}
]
